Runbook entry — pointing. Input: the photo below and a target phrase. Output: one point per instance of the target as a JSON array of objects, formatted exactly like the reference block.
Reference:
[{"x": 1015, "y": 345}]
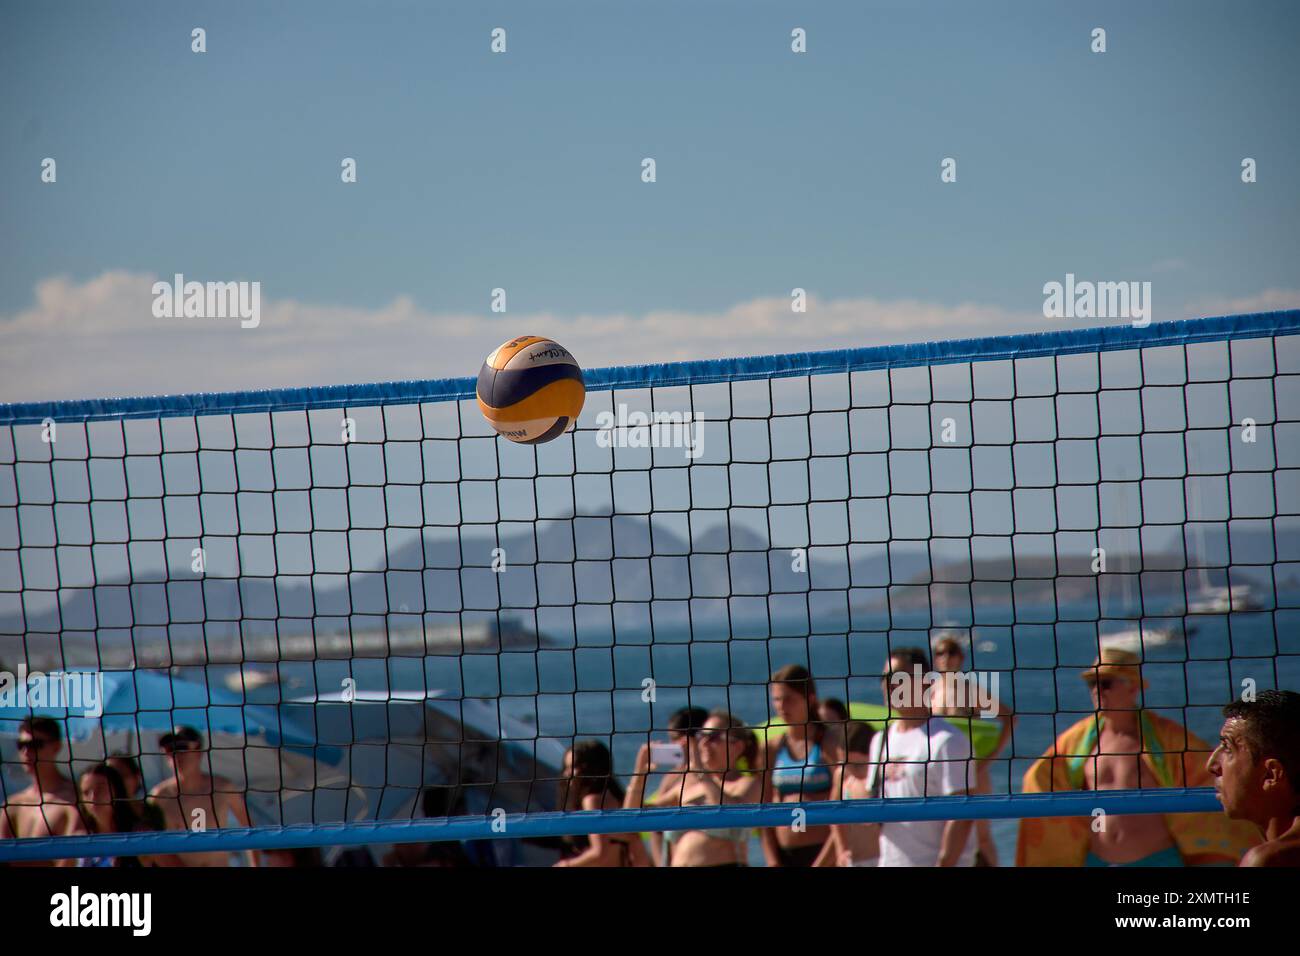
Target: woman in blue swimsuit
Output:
[{"x": 798, "y": 765}]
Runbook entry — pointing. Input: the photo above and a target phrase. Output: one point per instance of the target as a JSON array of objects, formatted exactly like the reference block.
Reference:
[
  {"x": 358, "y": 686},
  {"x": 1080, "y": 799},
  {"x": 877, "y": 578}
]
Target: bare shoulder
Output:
[
  {"x": 1277, "y": 853},
  {"x": 69, "y": 819},
  {"x": 837, "y": 780},
  {"x": 226, "y": 794},
  {"x": 165, "y": 789},
  {"x": 742, "y": 787}
]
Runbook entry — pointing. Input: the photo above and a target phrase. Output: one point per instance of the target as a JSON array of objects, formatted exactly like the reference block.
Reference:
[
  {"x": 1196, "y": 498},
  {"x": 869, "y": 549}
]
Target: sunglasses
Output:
[
  {"x": 35, "y": 743},
  {"x": 180, "y": 748},
  {"x": 1105, "y": 683}
]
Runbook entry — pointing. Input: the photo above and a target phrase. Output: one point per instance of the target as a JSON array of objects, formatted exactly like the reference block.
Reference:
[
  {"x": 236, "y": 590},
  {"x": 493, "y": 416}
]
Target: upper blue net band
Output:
[{"x": 989, "y": 349}]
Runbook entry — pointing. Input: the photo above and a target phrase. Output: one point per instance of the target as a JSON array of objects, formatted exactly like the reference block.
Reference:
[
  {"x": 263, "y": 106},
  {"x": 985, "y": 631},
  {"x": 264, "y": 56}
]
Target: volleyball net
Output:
[{"x": 374, "y": 621}]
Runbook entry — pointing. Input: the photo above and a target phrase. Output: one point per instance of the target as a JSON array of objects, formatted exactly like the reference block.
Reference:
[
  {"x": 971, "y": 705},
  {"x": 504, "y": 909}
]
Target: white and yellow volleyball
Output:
[{"x": 530, "y": 390}]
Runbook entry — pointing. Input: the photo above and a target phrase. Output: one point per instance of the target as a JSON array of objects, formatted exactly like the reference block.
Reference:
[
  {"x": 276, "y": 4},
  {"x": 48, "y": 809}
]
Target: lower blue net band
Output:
[{"x": 535, "y": 825}]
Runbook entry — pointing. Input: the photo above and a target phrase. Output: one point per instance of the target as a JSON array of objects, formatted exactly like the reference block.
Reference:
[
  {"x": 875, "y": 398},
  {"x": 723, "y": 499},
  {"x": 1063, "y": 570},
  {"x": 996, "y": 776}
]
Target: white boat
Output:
[
  {"x": 1223, "y": 600},
  {"x": 1140, "y": 639}
]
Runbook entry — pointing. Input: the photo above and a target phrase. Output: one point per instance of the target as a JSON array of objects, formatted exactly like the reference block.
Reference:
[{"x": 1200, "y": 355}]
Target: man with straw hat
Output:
[{"x": 1123, "y": 747}]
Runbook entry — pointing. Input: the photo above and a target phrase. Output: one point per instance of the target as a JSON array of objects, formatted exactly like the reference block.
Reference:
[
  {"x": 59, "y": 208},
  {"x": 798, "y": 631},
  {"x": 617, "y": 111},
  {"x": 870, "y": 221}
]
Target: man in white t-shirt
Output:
[{"x": 920, "y": 756}]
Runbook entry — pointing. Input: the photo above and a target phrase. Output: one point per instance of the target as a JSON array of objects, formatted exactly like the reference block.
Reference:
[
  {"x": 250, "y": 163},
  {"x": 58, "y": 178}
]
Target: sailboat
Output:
[{"x": 1217, "y": 599}]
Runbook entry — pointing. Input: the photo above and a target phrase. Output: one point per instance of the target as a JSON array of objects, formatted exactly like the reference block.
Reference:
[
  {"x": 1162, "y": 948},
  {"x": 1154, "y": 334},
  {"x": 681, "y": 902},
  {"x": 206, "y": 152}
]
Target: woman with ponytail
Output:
[{"x": 799, "y": 763}]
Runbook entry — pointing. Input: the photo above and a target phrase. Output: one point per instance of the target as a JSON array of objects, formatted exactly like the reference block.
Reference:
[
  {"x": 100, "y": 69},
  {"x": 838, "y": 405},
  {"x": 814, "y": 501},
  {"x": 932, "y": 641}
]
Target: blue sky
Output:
[{"x": 521, "y": 171}]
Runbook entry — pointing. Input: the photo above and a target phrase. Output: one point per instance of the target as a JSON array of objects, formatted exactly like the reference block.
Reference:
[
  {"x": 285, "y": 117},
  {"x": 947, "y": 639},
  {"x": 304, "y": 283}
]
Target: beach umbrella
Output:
[{"x": 269, "y": 753}]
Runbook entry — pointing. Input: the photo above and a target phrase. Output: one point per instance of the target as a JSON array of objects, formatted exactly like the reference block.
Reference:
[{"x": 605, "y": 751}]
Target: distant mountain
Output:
[
  {"x": 593, "y": 558},
  {"x": 447, "y": 575}
]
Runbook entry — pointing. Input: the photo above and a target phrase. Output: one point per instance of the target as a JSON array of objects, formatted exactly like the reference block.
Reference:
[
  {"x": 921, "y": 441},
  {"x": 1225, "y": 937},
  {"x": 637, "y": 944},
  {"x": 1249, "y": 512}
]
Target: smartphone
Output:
[{"x": 666, "y": 755}]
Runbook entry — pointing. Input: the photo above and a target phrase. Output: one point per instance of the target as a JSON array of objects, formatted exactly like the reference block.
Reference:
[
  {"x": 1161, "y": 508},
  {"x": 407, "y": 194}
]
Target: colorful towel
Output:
[{"x": 1177, "y": 759}]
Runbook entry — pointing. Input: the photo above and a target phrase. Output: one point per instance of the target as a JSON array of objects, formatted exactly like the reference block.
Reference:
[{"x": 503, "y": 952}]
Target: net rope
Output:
[{"x": 358, "y": 595}]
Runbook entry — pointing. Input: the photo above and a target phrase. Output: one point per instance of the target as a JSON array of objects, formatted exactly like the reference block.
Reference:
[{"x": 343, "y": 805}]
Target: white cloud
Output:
[
  {"x": 1270, "y": 300},
  {"x": 1167, "y": 265},
  {"x": 100, "y": 338}
]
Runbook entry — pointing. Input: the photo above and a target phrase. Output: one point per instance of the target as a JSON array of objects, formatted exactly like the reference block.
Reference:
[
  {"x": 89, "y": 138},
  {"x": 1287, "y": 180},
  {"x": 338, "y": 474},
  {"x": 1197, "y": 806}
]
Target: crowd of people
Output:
[
  {"x": 812, "y": 751},
  {"x": 109, "y": 797}
]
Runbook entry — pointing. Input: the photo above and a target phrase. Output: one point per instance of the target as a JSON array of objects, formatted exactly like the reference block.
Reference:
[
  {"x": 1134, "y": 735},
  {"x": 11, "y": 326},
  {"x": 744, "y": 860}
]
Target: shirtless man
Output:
[
  {"x": 196, "y": 800},
  {"x": 950, "y": 657},
  {"x": 855, "y": 844},
  {"x": 49, "y": 806},
  {"x": 1116, "y": 764},
  {"x": 1123, "y": 747},
  {"x": 1257, "y": 773}
]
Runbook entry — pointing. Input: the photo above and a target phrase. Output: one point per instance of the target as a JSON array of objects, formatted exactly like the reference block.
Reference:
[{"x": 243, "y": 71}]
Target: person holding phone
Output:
[
  {"x": 670, "y": 758},
  {"x": 719, "y": 771},
  {"x": 853, "y": 844}
]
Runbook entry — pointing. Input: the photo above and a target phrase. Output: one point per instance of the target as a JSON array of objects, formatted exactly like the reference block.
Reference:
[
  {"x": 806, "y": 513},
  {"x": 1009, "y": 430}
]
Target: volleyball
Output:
[{"x": 531, "y": 390}]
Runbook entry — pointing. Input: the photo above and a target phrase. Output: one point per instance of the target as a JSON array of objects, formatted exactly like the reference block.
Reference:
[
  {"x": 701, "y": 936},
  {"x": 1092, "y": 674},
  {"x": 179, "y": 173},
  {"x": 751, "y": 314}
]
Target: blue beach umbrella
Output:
[
  {"x": 140, "y": 702},
  {"x": 272, "y": 749}
]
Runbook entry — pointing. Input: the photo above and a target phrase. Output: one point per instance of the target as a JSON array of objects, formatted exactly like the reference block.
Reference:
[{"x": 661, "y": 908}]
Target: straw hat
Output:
[{"x": 1116, "y": 662}]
